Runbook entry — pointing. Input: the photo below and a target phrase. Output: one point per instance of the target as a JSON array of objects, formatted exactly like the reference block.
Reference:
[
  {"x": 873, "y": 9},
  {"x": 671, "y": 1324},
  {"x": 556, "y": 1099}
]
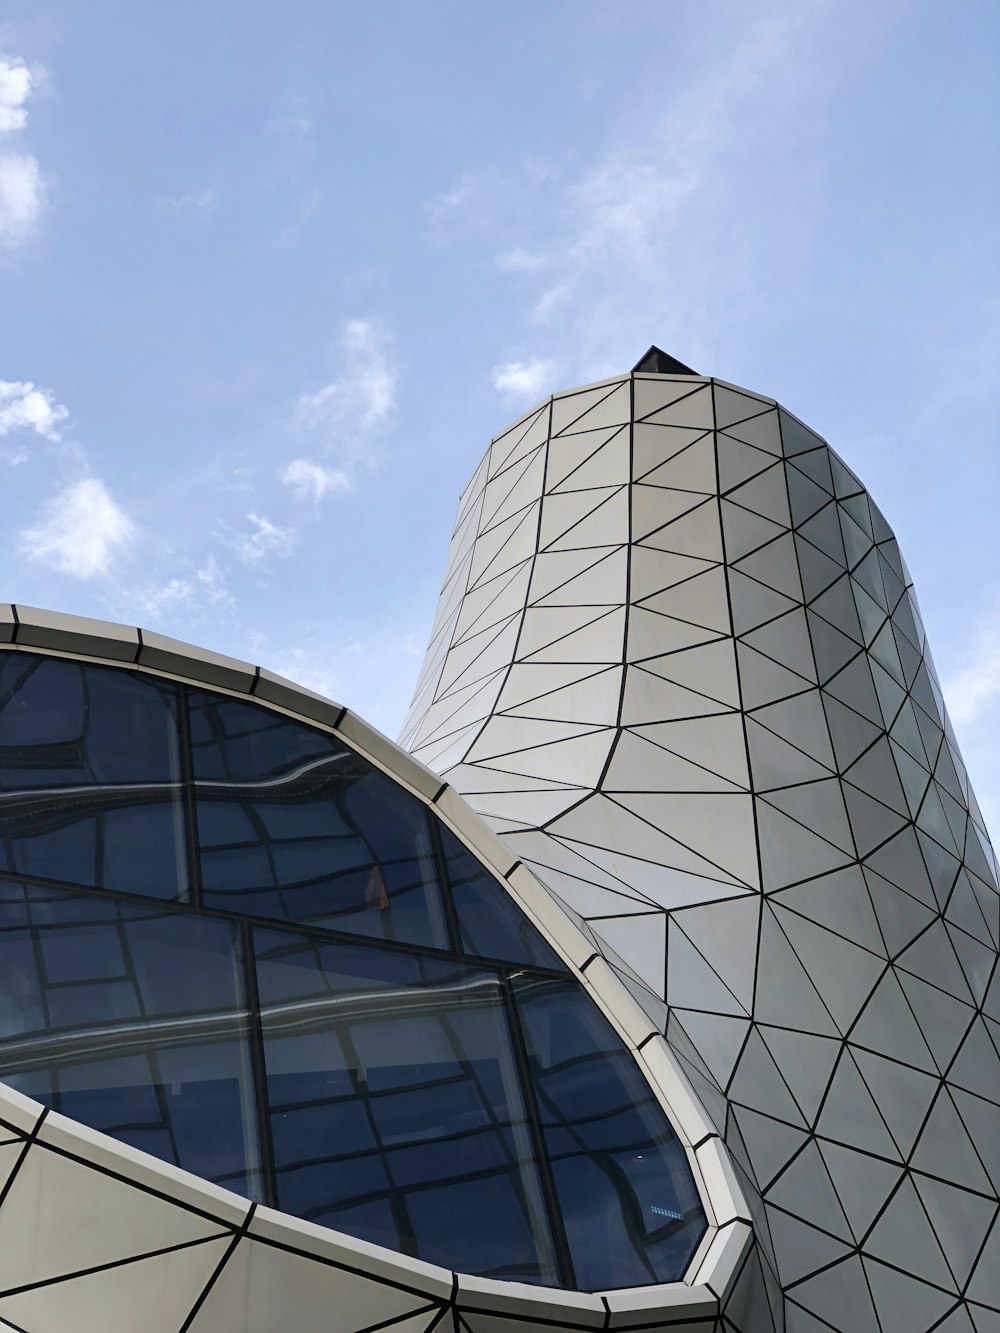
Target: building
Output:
[{"x": 652, "y": 985}]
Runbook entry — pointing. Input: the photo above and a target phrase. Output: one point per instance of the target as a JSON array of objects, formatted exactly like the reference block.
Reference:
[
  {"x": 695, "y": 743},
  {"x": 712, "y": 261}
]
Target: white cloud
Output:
[
  {"x": 310, "y": 481},
  {"x": 79, "y": 531},
  {"x": 520, "y": 260},
  {"x": 522, "y": 379},
  {"x": 212, "y": 584},
  {"x": 22, "y": 405},
  {"x": 21, "y": 197},
  {"x": 359, "y": 401},
  {"x": 308, "y": 669},
  {"x": 204, "y": 590},
  {"x": 15, "y": 89},
  {"x": 21, "y": 185},
  {"x": 263, "y": 538},
  {"x": 651, "y": 239},
  {"x": 465, "y": 189},
  {"x": 371, "y": 669},
  {"x": 975, "y": 685},
  {"x": 301, "y": 212},
  {"x": 484, "y": 200},
  {"x": 297, "y": 127},
  {"x": 199, "y": 201},
  {"x": 175, "y": 592}
]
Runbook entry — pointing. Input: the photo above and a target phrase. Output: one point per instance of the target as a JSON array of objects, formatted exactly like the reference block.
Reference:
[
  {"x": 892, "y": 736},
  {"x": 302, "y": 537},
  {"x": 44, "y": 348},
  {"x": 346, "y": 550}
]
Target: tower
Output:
[{"x": 679, "y": 668}]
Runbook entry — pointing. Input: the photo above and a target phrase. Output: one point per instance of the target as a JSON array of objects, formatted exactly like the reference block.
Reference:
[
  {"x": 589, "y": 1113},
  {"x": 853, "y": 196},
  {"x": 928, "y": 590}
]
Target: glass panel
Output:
[
  {"x": 294, "y": 825},
  {"x": 131, "y": 1021},
  {"x": 625, "y": 1191},
  {"x": 395, "y": 1106},
  {"x": 490, "y": 923},
  {"x": 89, "y": 776}
]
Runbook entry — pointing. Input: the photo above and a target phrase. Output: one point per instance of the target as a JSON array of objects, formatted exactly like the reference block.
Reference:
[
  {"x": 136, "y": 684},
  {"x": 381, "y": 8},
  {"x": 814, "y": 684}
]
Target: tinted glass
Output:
[
  {"x": 379, "y": 1085},
  {"x": 294, "y": 825},
  {"x": 395, "y": 1106},
  {"x": 89, "y": 774},
  {"x": 132, "y": 1022},
  {"x": 489, "y": 921},
  {"x": 626, "y": 1195}
]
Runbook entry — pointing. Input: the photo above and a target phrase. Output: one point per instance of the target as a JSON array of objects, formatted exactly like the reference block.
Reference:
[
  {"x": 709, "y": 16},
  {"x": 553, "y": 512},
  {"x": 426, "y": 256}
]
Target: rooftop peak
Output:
[{"x": 657, "y": 362}]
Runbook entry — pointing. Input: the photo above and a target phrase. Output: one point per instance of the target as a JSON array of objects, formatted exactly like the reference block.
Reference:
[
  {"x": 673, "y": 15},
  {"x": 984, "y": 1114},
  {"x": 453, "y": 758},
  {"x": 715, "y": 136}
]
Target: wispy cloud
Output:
[
  {"x": 346, "y": 412},
  {"x": 23, "y": 406},
  {"x": 370, "y": 669},
  {"x": 198, "y": 201},
  {"x": 263, "y": 538},
  {"x": 22, "y": 189},
  {"x": 520, "y": 260},
  {"x": 974, "y": 686},
  {"x": 204, "y": 590},
  {"x": 300, "y": 213},
  {"x": 450, "y": 208},
  {"x": 971, "y": 691},
  {"x": 294, "y": 126},
  {"x": 484, "y": 200},
  {"x": 79, "y": 531},
  {"x": 644, "y": 236},
  {"x": 519, "y": 380},
  {"x": 311, "y": 481},
  {"x": 310, "y": 669}
]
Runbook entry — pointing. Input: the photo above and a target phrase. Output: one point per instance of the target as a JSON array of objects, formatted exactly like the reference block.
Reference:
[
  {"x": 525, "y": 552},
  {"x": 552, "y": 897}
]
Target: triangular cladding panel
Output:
[{"x": 765, "y": 643}]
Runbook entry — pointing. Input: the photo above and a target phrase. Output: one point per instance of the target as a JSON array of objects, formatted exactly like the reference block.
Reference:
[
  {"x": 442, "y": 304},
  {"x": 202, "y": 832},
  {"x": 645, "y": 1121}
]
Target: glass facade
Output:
[{"x": 229, "y": 940}]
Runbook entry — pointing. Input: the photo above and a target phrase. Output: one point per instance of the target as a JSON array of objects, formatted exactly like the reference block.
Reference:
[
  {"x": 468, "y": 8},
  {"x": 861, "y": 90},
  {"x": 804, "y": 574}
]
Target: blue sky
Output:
[{"x": 272, "y": 275}]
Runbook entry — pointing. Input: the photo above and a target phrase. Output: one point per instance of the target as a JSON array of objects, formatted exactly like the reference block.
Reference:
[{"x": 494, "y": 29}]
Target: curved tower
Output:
[{"x": 679, "y": 668}]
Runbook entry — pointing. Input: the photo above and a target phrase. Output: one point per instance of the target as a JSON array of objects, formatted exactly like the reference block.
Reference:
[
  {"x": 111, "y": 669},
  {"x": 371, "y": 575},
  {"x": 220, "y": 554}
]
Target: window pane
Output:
[
  {"x": 627, "y": 1198},
  {"x": 89, "y": 775},
  {"x": 293, "y": 824},
  {"x": 132, "y": 1021},
  {"x": 395, "y": 1106},
  {"x": 490, "y": 923}
]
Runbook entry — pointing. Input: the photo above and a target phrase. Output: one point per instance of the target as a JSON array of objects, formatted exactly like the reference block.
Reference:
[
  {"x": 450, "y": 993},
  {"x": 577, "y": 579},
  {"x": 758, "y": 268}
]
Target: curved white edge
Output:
[{"x": 729, "y": 1233}]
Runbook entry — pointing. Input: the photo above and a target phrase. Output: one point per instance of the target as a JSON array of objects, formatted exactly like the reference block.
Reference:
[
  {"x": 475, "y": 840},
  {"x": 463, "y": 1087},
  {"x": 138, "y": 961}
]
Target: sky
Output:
[{"x": 271, "y": 276}]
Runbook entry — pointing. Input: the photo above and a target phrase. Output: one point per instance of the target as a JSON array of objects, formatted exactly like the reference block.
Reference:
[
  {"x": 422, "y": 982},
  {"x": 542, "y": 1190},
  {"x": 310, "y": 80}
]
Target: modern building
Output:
[{"x": 652, "y": 985}]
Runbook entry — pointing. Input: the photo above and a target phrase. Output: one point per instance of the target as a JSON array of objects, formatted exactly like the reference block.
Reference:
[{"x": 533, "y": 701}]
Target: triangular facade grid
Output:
[{"x": 692, "y": 691}]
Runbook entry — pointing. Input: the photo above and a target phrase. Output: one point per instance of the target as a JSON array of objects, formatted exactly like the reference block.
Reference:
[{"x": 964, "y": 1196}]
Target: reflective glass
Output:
[
  {"x": 293, "y": 824},
  {"x": 89, "y": 776},
  {"x": 375, "y": 1085},
  {"x": 625, "y": 1191},
  {"x": 395, "y": 1106},
  {"x": 133, "y": 1022},
  {"x": 489, "y": 921}
]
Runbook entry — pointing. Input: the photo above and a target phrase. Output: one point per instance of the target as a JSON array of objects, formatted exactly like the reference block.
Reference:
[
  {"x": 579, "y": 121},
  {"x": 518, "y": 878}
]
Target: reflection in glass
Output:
[
  {"x": 294, "y": 825},
  {"x": 626, "y": 1195},
  {"x": 89, "y": 774},
  {"x": 367, "y": 1084},
  {"x": 490, "y": 923},
  {"x": 132, "y": 1021},
  {"x": 396, "y": 1111}
]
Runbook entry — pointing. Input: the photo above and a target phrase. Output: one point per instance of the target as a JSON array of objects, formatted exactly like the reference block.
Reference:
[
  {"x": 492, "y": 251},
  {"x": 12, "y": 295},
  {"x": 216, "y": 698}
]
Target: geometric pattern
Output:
[
  {"x": 333, "y": 1008},
  {"x": 110, "y": 1254},
  {"x": 98, "y": 1234},
  {"x": 679, "y": 667},
  {"x": 117, "y": 1243}
]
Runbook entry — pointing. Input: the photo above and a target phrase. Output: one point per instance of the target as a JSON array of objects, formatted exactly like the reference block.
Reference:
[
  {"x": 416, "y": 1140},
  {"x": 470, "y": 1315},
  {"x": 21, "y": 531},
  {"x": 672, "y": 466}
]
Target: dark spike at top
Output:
[{"x": 656, "y": 362}]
